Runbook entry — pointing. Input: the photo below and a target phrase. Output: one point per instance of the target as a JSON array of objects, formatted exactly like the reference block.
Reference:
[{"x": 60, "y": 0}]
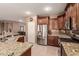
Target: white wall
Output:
[
  {"x": 31, "y": 32},
  {"x": 16, "y": 26},
  {"x": 31, "y": 29}
]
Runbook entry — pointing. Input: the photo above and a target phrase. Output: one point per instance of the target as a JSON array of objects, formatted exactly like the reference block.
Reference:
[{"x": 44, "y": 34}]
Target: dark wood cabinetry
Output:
[
  {"x": 77, "y": 16},
  {"x": 20, "y": 39},
  {"x": 27, "y": 53},
  {"x": 42, "y": 20},
  {"x": 53, "y": 41},
  {"x": 63, "y": 53},
  {"x": 71, "y": 13},
  {"x": 53, "y": 24},
  {"x": 61, "y": 22}
]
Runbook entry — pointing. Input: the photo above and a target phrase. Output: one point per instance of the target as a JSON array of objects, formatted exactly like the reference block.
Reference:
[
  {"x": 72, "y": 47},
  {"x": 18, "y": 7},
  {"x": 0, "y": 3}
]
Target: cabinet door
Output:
[
  {"x": 53, "y": 24},
  {"x": 42, "y": 20},
  {"x": 77, "y": 16},
  {"x": 74, "y": 16},
  {"x": 50, "y": 40},
  {"x": 53, "y": 40},
  {"x": 60, "y": 22}
]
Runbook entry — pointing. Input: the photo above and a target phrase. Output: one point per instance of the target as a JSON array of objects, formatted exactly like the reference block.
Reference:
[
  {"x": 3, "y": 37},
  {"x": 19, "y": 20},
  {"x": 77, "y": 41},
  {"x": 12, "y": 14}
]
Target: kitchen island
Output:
[
  {"x": 69, "y": 47},
  {"x": 15, "y": 49}
]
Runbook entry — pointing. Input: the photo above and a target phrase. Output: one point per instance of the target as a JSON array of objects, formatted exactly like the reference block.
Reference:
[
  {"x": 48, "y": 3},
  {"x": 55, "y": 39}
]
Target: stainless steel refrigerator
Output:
[{"x": 42, "y": 34}]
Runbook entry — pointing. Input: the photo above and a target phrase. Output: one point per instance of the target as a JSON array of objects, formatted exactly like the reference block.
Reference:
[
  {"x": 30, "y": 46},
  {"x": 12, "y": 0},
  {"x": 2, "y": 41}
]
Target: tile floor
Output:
[{"x": 39, "y": 50}]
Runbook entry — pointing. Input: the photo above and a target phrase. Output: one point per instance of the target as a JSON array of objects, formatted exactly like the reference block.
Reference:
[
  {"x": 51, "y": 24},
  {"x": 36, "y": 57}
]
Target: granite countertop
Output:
[
  {"x": 71, "y": 47},
  {"x": 7, "y": 34},
  {"x": 14, "y": 38},
  {"x": 13, "y": 48}
]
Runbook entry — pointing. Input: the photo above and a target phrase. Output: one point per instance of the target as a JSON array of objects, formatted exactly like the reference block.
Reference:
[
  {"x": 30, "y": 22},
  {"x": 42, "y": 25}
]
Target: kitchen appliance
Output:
[{"x": 42, "y": 34}]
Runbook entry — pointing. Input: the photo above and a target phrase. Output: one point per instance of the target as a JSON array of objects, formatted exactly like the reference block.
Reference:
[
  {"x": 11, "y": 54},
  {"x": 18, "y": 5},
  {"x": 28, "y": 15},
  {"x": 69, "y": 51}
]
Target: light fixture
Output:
[
  {"x": 47, "y": 9},
  {"x": 20, "y": 20},
  {"x": 28, "y": 12}
]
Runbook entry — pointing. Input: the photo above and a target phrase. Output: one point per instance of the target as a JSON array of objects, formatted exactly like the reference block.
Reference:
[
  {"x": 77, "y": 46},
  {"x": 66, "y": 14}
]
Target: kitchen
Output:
[{"x": 44, "y": 29}]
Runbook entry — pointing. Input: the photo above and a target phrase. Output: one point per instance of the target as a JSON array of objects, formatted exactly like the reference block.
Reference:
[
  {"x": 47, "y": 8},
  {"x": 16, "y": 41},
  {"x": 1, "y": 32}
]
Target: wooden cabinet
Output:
[
  {"x": 27, "y": 52},
  {"x": 53, "y": 24},
  {"x": 63, "y": 53},
  {"x": 74, "y": 16},
  {"x": 53, "y": 40},
  {"x": 61, "y": 22},
  {"x": 42, "y": 20},
  {"x": 20, "y": 39},
  {"x": 77, "y": 16},
  {"x": 71, "y": 13}
]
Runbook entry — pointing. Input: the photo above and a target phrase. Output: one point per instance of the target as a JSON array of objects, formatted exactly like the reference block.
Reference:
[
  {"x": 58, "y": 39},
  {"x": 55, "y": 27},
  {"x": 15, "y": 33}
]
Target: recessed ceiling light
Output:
[
  {"x": 28, "y": 12},
  {"x": 47, "y": 8}
]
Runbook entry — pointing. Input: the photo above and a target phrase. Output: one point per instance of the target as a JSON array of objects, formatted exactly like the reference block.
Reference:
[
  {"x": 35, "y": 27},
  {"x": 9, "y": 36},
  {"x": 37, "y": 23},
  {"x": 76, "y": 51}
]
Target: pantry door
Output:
[{"x": 31, "y": 32}]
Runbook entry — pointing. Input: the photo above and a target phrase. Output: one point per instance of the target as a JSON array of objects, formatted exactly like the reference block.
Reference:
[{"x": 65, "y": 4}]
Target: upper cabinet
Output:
[
  {"x": 69, "y": 20},
  {"x": 42, "y": 20},
  {"x": 53, "y": 24},
  {"x": 77, "y": 22},
  {"x": 74, "y": 16},
  {"x": 60, "y": 22},
  {"x": 71, "y": 16}
]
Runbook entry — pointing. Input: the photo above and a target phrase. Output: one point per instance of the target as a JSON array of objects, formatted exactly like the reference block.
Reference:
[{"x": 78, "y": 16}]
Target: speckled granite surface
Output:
[
  {"x": 13, "y": 48},
  {"x": 71, "y": 47}
]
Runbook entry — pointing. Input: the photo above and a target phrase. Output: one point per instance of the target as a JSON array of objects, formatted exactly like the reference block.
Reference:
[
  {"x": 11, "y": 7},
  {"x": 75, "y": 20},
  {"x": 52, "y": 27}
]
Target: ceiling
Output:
[{"x": 16, "y": 11}]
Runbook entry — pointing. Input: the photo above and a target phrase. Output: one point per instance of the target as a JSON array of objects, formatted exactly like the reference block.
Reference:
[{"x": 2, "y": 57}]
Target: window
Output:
[{"x": 21, "y": 28}]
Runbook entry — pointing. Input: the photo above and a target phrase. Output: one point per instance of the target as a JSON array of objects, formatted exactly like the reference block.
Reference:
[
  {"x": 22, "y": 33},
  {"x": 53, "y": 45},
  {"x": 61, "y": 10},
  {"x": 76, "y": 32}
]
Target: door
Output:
[
  {"x": 53, "y": 41},
  {"x": 31, "y": 32}
]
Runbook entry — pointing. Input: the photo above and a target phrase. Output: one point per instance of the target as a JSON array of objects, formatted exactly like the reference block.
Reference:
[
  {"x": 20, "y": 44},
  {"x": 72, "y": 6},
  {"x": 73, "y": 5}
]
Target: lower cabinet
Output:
[
  {"x": 53, "y": 41},
  {"x": 27, "y": 52},
  {"x": 20, "y": 39},
  {"x": 63, "y": 51}
]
